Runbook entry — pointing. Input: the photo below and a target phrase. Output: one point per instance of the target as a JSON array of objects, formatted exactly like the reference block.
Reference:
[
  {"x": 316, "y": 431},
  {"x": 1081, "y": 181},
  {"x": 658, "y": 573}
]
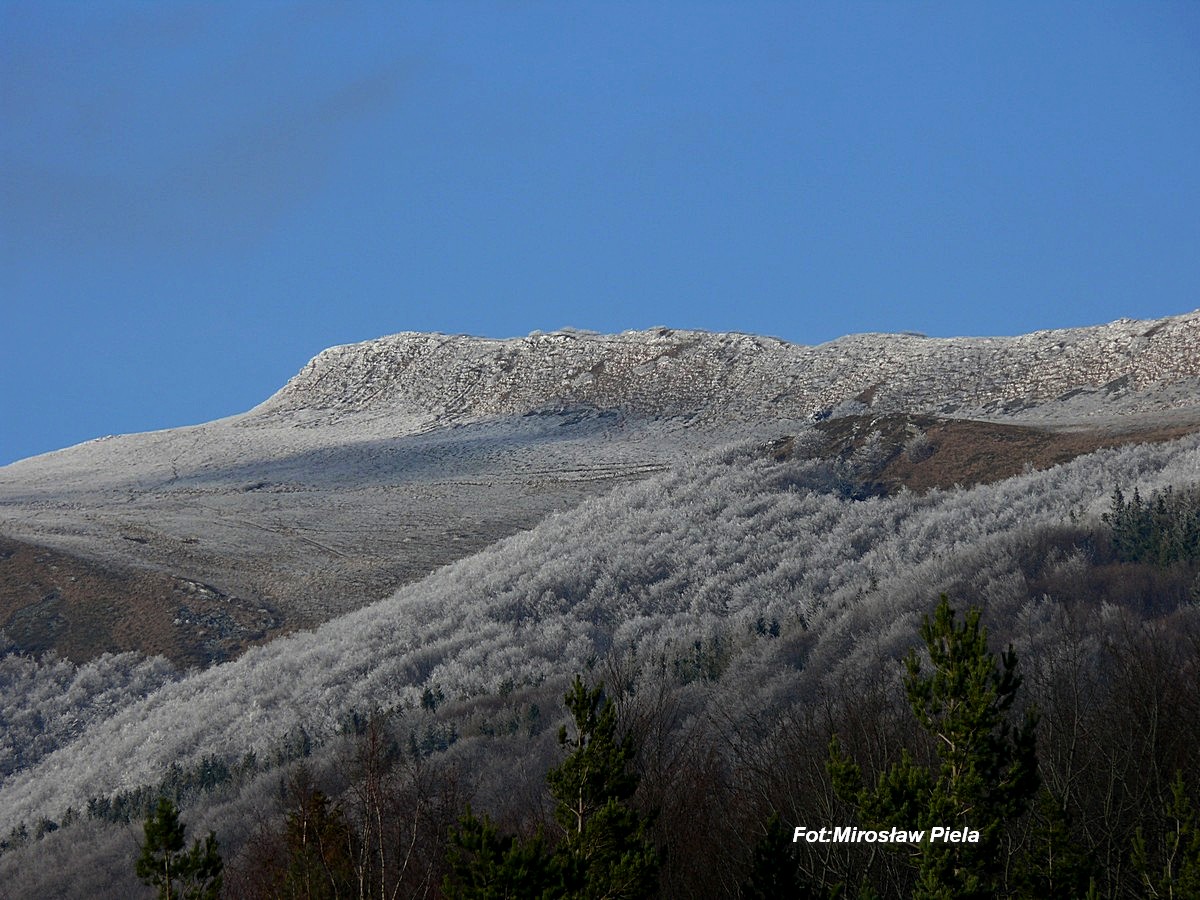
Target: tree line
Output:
[
  {"x": 1163, "y": 529},
  {"x": 975, "y": 755}
]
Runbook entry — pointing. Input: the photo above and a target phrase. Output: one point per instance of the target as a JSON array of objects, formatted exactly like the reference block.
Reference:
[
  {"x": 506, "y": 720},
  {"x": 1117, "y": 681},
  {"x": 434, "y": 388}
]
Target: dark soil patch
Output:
[
  {"x": 79, "y": 608},
  {"x": 967, "y": 452}
]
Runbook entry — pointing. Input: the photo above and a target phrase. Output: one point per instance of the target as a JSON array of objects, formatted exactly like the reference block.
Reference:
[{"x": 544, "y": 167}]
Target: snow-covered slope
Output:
[
  {"x": 467, "y": 515},
  {"x": 381, "y": 461},
  {"x": 689, "y": 562}
]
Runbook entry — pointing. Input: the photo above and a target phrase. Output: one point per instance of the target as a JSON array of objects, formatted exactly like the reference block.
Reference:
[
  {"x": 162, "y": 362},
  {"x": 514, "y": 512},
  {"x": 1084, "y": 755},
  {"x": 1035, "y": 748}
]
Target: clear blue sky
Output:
[{"x": 196, "y": 198}]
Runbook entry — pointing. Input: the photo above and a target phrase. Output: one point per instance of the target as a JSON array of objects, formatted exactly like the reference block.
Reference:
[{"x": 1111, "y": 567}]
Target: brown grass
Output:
[
  {"x": 51, "y": 600},
  {"x": 966, "y": 452}
]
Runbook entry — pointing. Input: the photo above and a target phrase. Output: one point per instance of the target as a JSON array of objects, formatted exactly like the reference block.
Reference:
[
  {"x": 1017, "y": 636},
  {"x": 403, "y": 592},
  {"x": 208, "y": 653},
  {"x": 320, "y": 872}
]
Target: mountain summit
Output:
[{"x": 745, "y": 377}]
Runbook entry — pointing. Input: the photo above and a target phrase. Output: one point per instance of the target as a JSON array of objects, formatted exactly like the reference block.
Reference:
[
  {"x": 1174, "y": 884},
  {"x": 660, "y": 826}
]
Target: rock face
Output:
[
  {"x": 381, "y": 461},
  {"x": 738, "y": 376}
]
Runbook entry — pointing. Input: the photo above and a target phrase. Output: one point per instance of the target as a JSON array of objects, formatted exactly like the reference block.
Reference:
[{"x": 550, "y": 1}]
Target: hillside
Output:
[
  {"x": 380, "y": 462},
  {"x": 426, "y": 537}
]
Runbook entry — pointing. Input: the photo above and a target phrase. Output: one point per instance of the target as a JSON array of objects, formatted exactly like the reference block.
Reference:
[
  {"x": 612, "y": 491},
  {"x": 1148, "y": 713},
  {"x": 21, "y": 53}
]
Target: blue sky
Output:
[{"x": 197, "y": 198}]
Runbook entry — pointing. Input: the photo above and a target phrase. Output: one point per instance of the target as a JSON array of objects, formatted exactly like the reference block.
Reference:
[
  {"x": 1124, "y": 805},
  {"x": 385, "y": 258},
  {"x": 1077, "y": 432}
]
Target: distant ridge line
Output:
[{"x": 734, "y": 375}]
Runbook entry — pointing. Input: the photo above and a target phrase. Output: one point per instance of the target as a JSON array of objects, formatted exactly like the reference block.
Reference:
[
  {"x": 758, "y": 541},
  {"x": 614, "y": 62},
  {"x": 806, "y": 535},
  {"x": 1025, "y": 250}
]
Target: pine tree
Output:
[
  {"x": 775, "y": 871},
  {"x": 178, "y": 874},
  {"x": 1174, "y": 871},
  {"x": 606, "y": 851},
  {"x": 987, "y": 769},
  {"x": 320, "y": 844},
  {"x": 487, "y": 865},
  {"x": 1055, "y": 866}
]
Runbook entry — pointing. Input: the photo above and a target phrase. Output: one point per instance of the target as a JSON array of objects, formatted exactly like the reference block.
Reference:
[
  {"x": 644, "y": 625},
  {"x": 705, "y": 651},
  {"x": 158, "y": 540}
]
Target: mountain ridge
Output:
[
  {"x": 378, "y": 462},
  {"x": 666, "y": 371}
]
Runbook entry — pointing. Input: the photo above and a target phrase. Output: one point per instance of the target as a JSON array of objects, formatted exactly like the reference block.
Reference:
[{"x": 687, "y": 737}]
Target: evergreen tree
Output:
[
  {"x": 1055, "y": 866},
  {"x": 606, "y": 851},
  {"x": 1177, "y": 873},
  {"x": 178, "y": 874},
  {"x": 487, "y": 865},
  {"x": 775, "y": 871},
  {"x": 1161, "y": 531},
  {"x": 986, "y": 772},
  {"x": 320, "y": 845}
]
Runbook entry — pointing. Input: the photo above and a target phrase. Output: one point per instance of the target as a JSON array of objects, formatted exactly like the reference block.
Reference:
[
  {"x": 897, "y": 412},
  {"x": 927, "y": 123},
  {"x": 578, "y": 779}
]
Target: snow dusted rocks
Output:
[{"x": 723, "y": 377}]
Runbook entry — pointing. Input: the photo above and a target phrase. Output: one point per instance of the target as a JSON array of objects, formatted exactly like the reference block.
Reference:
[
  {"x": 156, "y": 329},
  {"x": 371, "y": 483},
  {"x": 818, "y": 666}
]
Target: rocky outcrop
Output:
[{"x": 739, "y": 376}]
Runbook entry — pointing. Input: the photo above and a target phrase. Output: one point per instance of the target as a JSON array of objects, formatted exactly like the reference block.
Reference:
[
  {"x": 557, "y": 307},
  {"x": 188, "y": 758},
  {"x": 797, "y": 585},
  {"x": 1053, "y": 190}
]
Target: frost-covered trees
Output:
[
  {"x": 45, "y": 703},
  {"x": 746, "y": 583}
]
